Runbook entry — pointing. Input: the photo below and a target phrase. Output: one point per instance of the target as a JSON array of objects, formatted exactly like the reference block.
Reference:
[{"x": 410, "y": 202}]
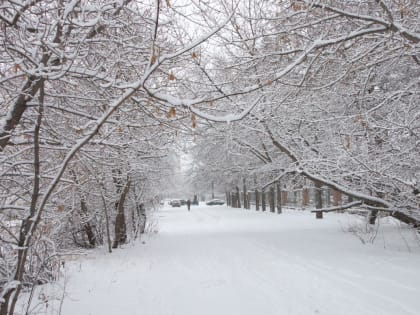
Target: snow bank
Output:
[{"x": 217, "y": 260}]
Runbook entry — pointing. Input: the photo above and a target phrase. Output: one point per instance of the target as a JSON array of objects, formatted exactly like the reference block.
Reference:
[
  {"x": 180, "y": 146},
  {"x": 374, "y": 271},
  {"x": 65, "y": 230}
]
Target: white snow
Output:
[
  {"x": 226, "y": 118},
  {"x": 218, "y": 260}
]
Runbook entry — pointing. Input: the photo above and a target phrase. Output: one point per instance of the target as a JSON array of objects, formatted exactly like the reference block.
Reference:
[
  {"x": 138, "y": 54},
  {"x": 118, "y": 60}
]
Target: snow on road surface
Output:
[{"x": 218, "y": 260}]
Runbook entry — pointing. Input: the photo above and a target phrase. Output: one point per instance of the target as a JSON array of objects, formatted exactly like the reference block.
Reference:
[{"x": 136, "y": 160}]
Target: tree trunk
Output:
[
  {"x": 120, "y": 225},
  {"x": 373, "y": 216},
  {"x": 271, "y": 199},
  {"x": 29, "y": 224},
  {"x": 263, "y": 200},
  {"x": 142, "y": 218},
  {"x": 238, "y": 197},
  {"x": 84, "y": 213},
  {"x": 257, "y": 200},
  {"x": 227, "y": 198},
  {"x": 318, "y": 199},
  {"x": 108, "y": 233},
  {"x": 305, "y": 197},
  {"x": 279, "y": 201},
  {"x": 337, "y": 200},
  {"x": 283, "y": 198},
  {"x": 86, "y": 225},
  {"x": 30, "y": 89},
  {"x": 245, "y": 194}
]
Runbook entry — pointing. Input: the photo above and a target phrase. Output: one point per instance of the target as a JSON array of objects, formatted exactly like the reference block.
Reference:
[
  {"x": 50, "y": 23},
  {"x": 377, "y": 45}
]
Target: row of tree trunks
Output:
[
  {"x": 278, "y": 198},
  {"x": 234, "y": 199},
  {"x": 275, "y": 198}
]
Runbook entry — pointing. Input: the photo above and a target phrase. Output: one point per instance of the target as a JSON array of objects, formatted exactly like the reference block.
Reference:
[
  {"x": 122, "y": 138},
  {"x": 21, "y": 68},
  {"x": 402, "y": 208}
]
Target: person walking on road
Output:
[{"x": 188, "y": 204}]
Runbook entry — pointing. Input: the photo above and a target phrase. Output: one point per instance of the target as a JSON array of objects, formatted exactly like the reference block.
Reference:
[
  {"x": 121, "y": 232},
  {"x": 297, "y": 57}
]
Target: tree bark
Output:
[
  {"x": 143, "y": 218},
  {"x": 305, "y": 197},
  {"x": 257, "y": 200},
  {"x": 108, "y": 233},
  {"x": 238, "y": 198},
  {"x": 373, "y": 215},
  {"x": 263, "y": 206},
  {"x": 84, "y": 214},
  {"x": 279, "y": 201},
  {"x": 245, "y": 194},
  {"x": 29, "y": 90},
  {"x": 336, "y": 198},
  {"x": 86, "y": 225},
  {"x": 120, "y": 225},
  {"x": 318, "y": 199},
  {"x": 283, "y": 198},
  {"x": 227, "y": 198},
  {"x": 30, "y": 223},
  {"x": 271, "y": 199}
]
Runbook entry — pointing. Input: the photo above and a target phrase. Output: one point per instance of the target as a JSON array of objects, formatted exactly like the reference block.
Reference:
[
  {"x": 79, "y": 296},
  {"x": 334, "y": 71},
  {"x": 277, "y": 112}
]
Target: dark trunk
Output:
[
  {"x": 84, "y": 214},
  {"x": 29, "y": 90},
  {"x": 120, "y": 225},
  {"x": 257, "y": 200},
  {"x": 278, "y": 187},
  {"x": 245, "y": 195},
  {"x": 271, "y": 199},
  {"x": 337, "y": 200},
  {"x": 373, "y": 216},
  {"x": 283, "y": 198},
  {"x": 86, "y": 225},
  {"x": 238, "y": 197},
  {"x": 263, "y": 200},
  {"x": 29, "y": 224},
  {"x": 318, "y": 199},
  {"x": 108, "y": 233},
  {"x": 305, "y": 197}
]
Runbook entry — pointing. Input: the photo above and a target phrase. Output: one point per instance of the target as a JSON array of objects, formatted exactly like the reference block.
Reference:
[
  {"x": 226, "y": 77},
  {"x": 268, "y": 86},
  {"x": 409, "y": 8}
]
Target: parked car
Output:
[
  {"x": 215, "y": 202},
  {"x": 176, "y": 203}
]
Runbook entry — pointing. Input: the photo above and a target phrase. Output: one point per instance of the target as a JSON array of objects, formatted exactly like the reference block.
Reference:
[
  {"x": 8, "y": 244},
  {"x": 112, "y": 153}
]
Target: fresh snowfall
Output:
[{"x": 220, "y": 260}]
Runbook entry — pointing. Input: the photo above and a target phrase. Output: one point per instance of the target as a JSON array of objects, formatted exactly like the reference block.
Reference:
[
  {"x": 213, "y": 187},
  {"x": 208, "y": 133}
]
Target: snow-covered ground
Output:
[{"x": 216, "y": 260}]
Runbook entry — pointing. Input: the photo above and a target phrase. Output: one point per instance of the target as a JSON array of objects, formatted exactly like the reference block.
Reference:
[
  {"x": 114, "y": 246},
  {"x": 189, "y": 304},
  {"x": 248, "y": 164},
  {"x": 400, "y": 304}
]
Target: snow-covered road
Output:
[{"x": 217, "y": 260}]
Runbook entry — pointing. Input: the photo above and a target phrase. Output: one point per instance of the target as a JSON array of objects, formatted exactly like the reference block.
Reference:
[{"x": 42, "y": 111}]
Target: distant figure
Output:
[{"x": 188, "y": 204}]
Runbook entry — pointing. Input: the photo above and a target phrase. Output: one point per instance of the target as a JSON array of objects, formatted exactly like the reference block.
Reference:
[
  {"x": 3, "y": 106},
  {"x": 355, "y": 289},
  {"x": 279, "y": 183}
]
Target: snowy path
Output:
[{"x": 217, "y": 260}]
